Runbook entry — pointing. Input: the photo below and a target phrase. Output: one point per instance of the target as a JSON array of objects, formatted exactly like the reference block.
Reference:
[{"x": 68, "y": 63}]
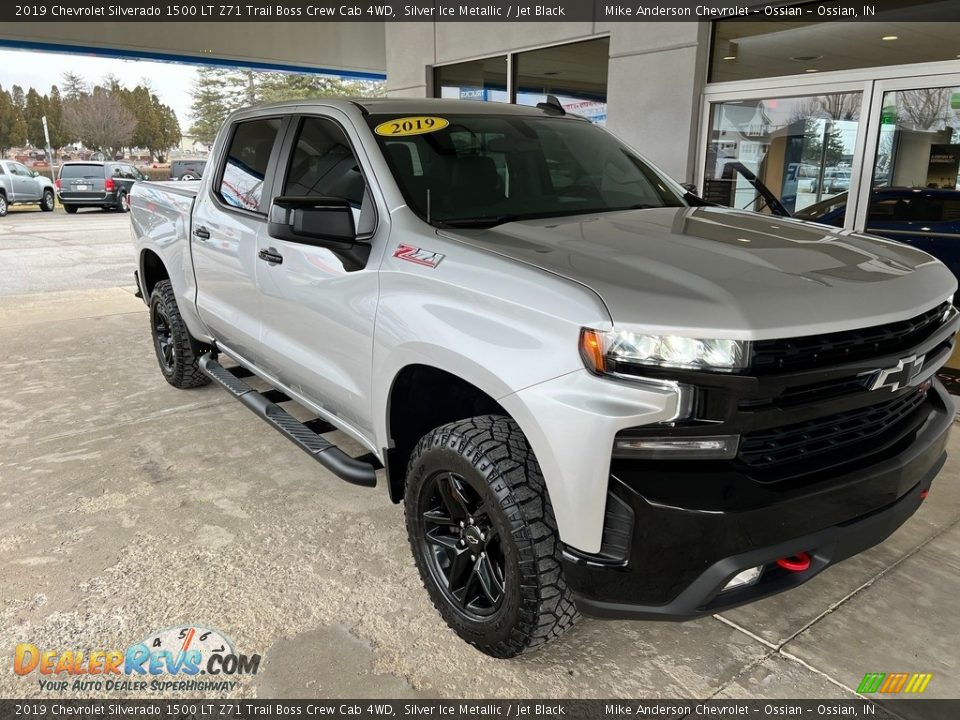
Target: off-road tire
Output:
[
  {"x": 492, "y": 456},
  {"x": 71, "y": 209},
  {"x": 48, "y": 203},
  {"x": 181, "y": 369}
]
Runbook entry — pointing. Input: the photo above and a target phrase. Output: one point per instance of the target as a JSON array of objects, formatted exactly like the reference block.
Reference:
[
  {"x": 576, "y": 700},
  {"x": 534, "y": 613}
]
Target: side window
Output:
[
  {"x": 322, "y": 163},
  {"x": 247, "y": 158},
  {"x": 20, "y": 170}
]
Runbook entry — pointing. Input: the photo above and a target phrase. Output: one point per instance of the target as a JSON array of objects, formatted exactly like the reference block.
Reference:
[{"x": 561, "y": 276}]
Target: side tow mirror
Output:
[
  {"x": 304, "y": 219},
  {"x": 321, "y": 221}
]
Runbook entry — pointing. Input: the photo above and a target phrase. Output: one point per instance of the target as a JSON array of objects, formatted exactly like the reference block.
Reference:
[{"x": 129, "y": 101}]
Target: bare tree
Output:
[
  {"x": 925, "y": 109},
  {"x": 99, "y": 120}
]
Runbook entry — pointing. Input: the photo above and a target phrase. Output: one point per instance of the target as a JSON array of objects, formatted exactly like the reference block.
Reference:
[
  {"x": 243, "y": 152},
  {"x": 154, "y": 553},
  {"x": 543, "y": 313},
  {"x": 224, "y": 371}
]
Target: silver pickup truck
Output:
[
  {"x": 592, "y": 391},
  {"x": 22, "y": 186}
]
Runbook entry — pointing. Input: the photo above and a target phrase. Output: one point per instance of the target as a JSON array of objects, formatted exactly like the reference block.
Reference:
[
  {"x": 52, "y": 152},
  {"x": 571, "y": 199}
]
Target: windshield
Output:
[{"x": 479, "y": 171}]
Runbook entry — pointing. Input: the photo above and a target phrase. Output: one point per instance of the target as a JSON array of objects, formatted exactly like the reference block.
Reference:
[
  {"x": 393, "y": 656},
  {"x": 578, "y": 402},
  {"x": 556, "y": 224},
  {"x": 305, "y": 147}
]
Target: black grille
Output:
[
  {"x": 835, "y": 348},
  {"x": 837, "y": 434}
]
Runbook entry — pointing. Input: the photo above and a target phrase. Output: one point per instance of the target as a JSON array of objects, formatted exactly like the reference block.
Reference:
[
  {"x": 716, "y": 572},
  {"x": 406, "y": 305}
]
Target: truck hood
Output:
[{"x": 725, "y": 273}]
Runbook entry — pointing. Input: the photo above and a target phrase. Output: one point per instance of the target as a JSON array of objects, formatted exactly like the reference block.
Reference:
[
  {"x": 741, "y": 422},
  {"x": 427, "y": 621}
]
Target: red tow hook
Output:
[
  {"x": 924, "y": 493},
  {"x": 795, "y": 563}
]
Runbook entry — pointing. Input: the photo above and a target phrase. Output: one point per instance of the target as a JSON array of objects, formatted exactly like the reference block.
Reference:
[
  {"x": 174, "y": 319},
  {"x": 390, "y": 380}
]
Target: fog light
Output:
[
  {"x": 710, "y": 446},
  {"x": 747, "y": 577}
]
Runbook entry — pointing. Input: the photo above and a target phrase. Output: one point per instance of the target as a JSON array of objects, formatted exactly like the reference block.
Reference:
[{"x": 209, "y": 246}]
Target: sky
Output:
[{"x": 171, "y": 81}]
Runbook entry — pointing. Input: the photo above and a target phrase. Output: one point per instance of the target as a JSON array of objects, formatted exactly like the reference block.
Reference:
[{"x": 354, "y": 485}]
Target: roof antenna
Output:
[{"x": 552, "y": 106}]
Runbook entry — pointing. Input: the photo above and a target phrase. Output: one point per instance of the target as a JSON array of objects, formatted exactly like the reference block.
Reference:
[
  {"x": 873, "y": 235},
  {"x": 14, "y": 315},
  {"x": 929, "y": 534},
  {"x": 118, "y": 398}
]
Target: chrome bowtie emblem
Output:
[{"x": 903, "y": 374}]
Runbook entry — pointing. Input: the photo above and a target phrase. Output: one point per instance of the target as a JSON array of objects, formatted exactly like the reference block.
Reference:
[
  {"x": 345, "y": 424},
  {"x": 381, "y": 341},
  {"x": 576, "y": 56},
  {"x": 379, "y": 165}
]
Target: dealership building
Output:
[{"x": 828, "y": 117}]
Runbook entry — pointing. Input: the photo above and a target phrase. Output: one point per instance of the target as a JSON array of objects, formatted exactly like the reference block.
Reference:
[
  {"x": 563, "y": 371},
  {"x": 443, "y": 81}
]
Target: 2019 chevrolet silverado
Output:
[
  {"x": 21, "y": 186},
  {"x": 592, "y": 392}
]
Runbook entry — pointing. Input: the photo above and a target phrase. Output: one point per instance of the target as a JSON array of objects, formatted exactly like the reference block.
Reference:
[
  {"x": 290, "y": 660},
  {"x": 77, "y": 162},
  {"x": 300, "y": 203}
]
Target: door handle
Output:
[
  {"x": 271, "y": 256},
  {"x": 201, "y": 232}
]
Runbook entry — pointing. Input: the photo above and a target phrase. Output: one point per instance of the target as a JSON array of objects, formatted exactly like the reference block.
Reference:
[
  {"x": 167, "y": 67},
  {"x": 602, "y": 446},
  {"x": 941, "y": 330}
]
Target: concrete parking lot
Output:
[{"x": 127, "y": 506}]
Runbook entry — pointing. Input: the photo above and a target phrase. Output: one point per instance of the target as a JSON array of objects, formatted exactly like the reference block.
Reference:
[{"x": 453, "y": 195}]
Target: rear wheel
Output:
[
  {"x": 47, "y": 203},
  {"x": 71, "y": 209},
  {"x": 123, "y": 202},
  {"x": 484, "y": 538},
  {"x": 171, "y": 340}
]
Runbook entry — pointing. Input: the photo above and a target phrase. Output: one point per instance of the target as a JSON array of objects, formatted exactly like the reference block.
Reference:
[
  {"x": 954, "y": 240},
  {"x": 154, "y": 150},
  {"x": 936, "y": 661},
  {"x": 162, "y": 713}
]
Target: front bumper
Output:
[{"x": 683, "y": 539}]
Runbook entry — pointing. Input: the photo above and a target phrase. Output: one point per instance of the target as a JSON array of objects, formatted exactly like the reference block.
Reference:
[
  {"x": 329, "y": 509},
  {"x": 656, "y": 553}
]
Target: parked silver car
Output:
[{"x": 21, "y": 186}]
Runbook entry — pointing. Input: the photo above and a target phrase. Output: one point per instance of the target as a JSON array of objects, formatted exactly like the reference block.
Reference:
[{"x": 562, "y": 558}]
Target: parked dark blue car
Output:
[{"x": 926, "y": 218}]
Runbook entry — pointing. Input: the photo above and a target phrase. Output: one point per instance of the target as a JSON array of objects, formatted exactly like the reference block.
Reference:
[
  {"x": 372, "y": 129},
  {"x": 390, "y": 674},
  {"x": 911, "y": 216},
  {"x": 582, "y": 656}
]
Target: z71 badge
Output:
[{"x": 418, "y": 256}]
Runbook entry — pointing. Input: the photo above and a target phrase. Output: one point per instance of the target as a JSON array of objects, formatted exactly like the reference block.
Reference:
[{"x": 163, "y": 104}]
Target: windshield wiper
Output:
[{"x": 479, "y": 222}]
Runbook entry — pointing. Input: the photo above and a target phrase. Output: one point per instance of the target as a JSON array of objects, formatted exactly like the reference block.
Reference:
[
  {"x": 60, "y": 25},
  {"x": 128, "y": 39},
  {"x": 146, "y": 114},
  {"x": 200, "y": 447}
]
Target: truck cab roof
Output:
[{"x": 406, "y": 106}]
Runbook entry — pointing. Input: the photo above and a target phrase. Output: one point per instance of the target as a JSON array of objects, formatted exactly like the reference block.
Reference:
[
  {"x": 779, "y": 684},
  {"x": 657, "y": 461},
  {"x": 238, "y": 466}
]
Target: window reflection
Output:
[
  {"x": 480, "y": 80},
  {"x": 576, "y": 74},
  {"x": 787, "y": 152}
]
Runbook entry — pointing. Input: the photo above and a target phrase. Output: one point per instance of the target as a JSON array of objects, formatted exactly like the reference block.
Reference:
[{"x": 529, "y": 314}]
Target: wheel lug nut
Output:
[
  {"x": 471, "y": 521},
  {"x": 473, "y": 557},
  {"x": 462, "y": 523},
  {"x": 460, "y": 542}
]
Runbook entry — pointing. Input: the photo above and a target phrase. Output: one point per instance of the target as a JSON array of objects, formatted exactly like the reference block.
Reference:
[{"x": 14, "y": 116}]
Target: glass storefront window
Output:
[
  {"x": 576, "y": 74},
  {"x": 744, "y": 50},
  {"x": 915, "y": 193},
  {"x": 481, "y": 80},
  {"x": 781, "y": 154}
]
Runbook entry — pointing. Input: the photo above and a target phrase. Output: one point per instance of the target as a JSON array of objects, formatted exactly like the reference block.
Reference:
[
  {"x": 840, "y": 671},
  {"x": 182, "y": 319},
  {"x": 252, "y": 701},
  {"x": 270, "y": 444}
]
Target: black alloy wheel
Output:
[
  {"x": 172, "y": 343},
  {"x": 462, "y": 546},
  {"x": 163, "y": 338},
  {"x": 484, "y": 538}
]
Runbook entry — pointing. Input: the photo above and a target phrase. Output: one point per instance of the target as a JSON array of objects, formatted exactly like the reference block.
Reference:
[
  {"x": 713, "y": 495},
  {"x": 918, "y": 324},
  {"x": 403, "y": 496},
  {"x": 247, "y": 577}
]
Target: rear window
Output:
[
  {"x": 247, "y": 158},
  {"x": 81, "y": 171}
]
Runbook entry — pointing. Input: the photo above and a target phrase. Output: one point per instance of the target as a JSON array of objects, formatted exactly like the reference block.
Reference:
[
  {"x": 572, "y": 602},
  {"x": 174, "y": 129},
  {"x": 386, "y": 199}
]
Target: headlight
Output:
[{"x": 605, "y": 352}]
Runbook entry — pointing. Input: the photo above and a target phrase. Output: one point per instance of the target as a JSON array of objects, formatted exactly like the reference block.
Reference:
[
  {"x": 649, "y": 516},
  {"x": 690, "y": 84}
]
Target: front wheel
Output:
[
  {"x": 484, "y": 538},
  {"x": 47, "y": 203},
  {"x": 171, "y": 340},
  {"x": 4, "y": 208}
]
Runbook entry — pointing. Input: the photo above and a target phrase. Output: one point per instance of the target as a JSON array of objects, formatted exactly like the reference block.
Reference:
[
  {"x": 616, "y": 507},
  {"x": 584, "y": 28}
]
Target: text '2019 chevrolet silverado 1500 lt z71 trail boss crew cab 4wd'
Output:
[{"x": 592, "y": 392}]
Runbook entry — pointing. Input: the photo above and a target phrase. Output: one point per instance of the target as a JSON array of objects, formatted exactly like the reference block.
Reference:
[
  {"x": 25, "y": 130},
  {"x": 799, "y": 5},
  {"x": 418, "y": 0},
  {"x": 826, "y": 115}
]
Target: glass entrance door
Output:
[{"x": 910, "y": 187}]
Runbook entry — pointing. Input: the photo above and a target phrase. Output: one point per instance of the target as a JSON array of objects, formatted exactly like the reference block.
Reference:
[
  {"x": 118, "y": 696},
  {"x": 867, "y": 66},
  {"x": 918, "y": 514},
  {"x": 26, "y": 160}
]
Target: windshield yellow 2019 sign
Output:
[{"x": 414, "y": 125}]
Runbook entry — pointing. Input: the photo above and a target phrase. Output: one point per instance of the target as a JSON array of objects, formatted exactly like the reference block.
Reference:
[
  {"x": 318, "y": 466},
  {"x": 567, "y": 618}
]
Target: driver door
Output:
[{"x": 317, "y": 332}]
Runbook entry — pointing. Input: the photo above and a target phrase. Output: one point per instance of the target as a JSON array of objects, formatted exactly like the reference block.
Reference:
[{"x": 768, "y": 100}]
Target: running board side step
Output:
[{"x": 320, "y": 449}]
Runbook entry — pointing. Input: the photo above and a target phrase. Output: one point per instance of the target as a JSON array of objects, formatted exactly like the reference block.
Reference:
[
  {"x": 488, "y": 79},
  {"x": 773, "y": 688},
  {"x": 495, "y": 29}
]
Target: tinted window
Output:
[
  {"x": 247, "y": 160},
  {"x": 483, "y": 170},
  {"x": 323, "y": 163},
  {"x": 81, "y": 171},
  {"x": 21, "y": 170},
  {"x": 906, "y": 209}
]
